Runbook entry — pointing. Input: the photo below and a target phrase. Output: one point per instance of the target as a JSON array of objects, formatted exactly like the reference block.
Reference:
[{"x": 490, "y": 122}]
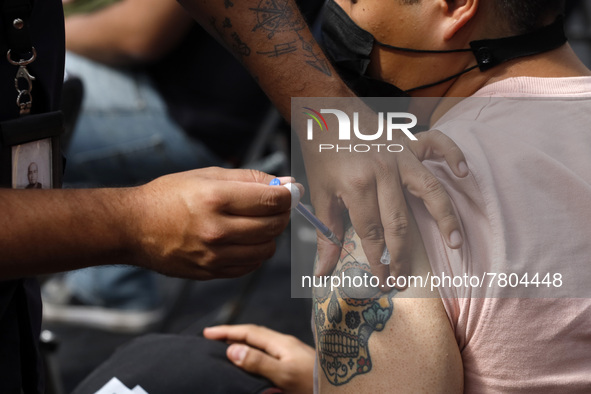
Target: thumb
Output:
[
  {"x": 239, "y": 175},
  {"x": 253, "y": 360}
]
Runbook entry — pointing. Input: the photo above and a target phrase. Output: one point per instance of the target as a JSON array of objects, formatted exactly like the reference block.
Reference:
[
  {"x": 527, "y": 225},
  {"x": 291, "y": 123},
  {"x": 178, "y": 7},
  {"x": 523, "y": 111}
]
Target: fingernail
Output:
[
  {"x": 455, "y": 238},
  {"x": 300, "y": 188},
  {"x": 385, "y": 259},
  {"x": 286, "y": 179},
  {"x": 463, "y": 167},
  {"x": 237, "y": 353}
]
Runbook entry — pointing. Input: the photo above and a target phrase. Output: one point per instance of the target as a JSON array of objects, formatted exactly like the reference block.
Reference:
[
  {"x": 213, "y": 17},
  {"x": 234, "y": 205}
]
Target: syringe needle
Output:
[{"x": 318, "y": 225}]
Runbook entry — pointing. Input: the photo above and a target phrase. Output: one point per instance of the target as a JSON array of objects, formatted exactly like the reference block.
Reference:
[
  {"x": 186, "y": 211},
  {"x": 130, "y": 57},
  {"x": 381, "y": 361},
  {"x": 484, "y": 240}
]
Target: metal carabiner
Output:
[
  {"x": 24, "y": 101},
  {"x": 23, "y": 73},
  {"x": 22, "y": 62}
]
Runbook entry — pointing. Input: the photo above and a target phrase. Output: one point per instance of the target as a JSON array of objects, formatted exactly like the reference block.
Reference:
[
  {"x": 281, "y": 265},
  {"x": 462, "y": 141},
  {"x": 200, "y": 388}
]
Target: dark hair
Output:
[{"x": 524, "y": 16}]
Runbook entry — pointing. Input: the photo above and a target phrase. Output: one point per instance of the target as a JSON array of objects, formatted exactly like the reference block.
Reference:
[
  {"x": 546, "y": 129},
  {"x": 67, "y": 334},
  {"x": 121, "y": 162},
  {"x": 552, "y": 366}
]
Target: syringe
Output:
[
  {"x": 318, "y": 225},
  {"x": 321, "y": 227}
]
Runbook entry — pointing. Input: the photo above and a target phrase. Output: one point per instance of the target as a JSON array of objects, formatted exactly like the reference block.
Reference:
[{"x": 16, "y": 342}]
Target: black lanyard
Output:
[
  {"x": 40, "y": 128},
  {"x": 16, "y": 17}
]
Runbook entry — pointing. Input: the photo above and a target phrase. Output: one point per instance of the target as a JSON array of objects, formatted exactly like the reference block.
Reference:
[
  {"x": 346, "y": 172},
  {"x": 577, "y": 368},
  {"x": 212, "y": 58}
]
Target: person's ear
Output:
[{"x": 458, "y": 13}]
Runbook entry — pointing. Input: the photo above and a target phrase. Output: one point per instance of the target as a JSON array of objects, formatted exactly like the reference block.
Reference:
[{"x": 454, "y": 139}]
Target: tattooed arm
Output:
[
  {"x": 366, "y": 340},
  {"x": 371, "y": 341},
  {"x": 273, "y": 41}
]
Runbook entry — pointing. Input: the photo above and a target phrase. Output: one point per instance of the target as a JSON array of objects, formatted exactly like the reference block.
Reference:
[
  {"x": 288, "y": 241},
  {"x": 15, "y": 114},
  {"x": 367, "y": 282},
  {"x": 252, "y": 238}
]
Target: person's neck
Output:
[{"x": 558, "y": 63}]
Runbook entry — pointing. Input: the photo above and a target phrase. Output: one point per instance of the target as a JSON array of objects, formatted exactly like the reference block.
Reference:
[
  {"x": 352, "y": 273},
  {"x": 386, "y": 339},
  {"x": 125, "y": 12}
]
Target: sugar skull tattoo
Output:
[{"x": 345, "y": 319}]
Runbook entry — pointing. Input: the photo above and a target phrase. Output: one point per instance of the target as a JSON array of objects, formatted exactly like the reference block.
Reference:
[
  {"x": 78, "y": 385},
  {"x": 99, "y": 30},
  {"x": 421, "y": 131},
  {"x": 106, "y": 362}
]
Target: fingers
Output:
[
  {"x": 229, "y": 260},
  {"x": 257, "y": 336},
  {"x": 254, "y": 361},
  {"x": 251, "y": 199},
  {"x": 227, "y": 272},
  {"x": 433, "y": 144},
  {"x": 204, "y": 226},
  {"x": 394, "y": 216},
  {"x": 245, "y": 192},
  {"x": 421, "y": 183},
  {"x": 364, "y": 212},
  {"x": 330, "y": 213},
  {"x": 283, "y": 359},
  {"x": 240, "y": 175},
  {"x": 243, "y": 230}
]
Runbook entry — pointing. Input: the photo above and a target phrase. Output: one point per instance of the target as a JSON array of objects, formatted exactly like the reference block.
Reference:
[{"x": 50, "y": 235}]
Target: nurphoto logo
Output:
[{"x": 394, "y": 122}]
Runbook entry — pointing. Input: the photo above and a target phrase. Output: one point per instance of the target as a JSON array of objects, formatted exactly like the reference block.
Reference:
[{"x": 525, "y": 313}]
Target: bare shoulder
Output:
[{"x": 395, "y": 341}]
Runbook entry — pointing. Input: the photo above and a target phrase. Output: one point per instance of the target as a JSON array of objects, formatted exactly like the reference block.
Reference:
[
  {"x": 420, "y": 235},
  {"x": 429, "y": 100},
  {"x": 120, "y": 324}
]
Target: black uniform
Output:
[{"x": 20, "y": 301}]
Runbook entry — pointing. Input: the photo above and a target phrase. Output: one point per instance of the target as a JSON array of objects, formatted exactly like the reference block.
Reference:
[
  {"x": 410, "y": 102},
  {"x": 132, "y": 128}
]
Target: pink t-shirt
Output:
[{"x": 525, "y": 208}]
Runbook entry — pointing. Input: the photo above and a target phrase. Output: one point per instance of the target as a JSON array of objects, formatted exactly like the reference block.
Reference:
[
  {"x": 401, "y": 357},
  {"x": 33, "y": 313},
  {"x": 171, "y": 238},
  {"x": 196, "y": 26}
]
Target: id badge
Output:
[
  {"x": 31, "y": 157},
  {"x": 32, "y": 164}
]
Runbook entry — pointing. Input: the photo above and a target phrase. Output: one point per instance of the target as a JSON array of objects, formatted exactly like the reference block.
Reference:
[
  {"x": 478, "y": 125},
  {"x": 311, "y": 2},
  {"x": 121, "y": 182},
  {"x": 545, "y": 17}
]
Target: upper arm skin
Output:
[{"x": 411, "y": 346}]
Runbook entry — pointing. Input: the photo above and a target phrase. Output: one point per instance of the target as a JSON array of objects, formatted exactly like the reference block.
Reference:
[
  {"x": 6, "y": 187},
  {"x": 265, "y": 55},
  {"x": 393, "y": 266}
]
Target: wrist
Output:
[{"x": 130, "y": 219}]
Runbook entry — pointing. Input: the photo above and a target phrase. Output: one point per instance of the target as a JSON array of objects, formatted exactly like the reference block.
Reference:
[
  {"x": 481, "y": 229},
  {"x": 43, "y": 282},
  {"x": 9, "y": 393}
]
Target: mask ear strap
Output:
[
  {"x": 491, "y": 53},
  {"x": 442, "y": 81},
  {"x": 421, "y": 50}
]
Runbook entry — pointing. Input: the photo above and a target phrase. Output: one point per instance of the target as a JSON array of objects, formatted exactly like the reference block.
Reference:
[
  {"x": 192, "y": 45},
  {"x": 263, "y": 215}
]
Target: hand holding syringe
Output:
[{"x": 318, "y": 225}]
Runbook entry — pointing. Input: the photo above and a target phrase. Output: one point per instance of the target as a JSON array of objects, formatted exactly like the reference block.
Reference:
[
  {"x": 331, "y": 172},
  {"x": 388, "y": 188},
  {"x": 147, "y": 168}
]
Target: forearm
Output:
[
  {"x": 90, "y": 36},
  {"x": 45, "y": 231},
  {"x": 199, "y": 224},
  {"x": 128, "y": 32},
  {"x": 275, "y": 45}
]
